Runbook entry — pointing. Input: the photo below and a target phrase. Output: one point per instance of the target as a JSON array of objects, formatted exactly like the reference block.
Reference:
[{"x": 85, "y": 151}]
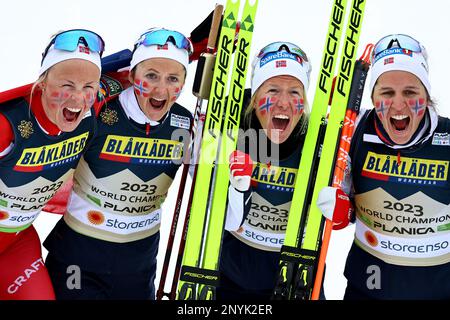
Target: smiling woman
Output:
[
  {"x": 400, "y": 177},
  {"x": 400, "y": 87},
  {"x": 43, "y": 136},
  {"x": 275, "y": 19},
  {"x": 65, "y": 98},
  {"x": 262, "y": 185},
  {"x": 156, "y": 99},
  {"x": 111, "y": 226},
  {"x": 400, "y": 101}
]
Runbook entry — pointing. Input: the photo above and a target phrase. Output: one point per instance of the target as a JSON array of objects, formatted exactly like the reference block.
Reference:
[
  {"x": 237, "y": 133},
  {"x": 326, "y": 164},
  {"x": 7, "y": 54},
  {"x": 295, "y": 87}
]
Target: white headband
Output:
[
  {"x": 397, "y": 59},
  {"x": 277, "y": 64},
  {"x": 55, "y": 56}
]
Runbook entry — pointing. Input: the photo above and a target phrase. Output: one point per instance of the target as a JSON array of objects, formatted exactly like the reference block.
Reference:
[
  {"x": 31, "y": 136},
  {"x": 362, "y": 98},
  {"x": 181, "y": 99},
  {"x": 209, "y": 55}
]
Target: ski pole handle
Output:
[
  {"x": 206, "y": 61},
  {"x": 214, "y": 31}
]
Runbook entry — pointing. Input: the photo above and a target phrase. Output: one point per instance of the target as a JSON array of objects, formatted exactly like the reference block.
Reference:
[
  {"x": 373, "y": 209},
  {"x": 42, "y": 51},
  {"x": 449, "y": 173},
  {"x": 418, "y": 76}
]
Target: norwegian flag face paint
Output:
[
  {"x": 89, "y": 99},
  {"x": 417, "y": 106},
  {"x": 157, "y": 83},
  {"x": 266, "y": 103},
  {"x": 141, "y": 88},
  {"x": 57, "y": 98},
  {"x": 176, "y": 94},
  {"x": 299, "y": 106},
  {"x": 381, "y": 107},
  {"x": 68, "y": 92}
]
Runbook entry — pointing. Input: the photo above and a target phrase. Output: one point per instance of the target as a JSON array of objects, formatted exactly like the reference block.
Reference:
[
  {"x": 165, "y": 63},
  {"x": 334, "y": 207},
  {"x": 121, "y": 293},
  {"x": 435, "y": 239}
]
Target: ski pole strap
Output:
[
  {"x": 357, "y": 87},
  {"x": 298, "y": 255},
  {"x": 200, "y": 276}
]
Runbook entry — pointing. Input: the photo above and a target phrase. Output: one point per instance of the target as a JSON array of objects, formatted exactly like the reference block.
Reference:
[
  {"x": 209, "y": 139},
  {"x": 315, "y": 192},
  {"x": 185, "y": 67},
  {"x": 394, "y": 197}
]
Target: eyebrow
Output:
[
  {"x": 151, "y": 69},
  {"x": 71, "y": 82},
  {"x": 391, "y": 88},
  {"x": 412, "y": 87},
  {"x": 156, "y": 71},
  {"x": 277, "y": 86}
]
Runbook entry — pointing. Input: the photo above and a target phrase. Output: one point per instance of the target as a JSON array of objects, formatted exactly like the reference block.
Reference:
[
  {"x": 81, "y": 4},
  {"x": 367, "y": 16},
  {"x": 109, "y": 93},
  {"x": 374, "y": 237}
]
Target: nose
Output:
[
  {"x": 77, "y": 96},
  {"x": 159, "y": 86},
  {"x": 283, "y": 100},
  {"x": 398, "y": 103}
]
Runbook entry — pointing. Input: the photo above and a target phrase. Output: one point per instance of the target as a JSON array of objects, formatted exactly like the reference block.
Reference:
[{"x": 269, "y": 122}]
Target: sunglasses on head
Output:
[
  {"x": 70, "y": 39},
  {"x": 401, "y": 41},
  {"x": 287, "y": 46},
  {"x": 162, "y": 36}
]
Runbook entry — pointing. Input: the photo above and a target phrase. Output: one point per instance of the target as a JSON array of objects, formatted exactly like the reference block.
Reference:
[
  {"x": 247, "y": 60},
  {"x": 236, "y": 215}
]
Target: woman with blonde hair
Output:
[
  {"x": 110, "y": 230},
  {"x": 263, "y": 172},
  {"x": 43, "y": 137}
]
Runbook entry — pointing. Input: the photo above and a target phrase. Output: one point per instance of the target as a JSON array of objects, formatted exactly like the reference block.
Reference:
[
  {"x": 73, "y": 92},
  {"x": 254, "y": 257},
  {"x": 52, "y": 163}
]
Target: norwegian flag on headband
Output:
[
  {"x": 164, "y": 47},
  {"x": 280, "y": 64},
  {"x": 84, "y": 49},
  {"x": 388, "y": 60}
]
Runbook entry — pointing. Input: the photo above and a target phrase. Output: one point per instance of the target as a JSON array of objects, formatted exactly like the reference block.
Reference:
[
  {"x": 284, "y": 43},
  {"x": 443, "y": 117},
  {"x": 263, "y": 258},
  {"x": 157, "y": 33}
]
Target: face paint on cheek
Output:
[
  {"x": 299, "y": 106},
  {"x": 57, "y": 98},
  {"x": 380, "y": 107},
  {"x": 89, "y": 99},
  {"x": 141, "y": 88},
  {"x": 266, "y": 103},
  {"x": 176, "y": 94},
  {"x": 417, "y": 106}
]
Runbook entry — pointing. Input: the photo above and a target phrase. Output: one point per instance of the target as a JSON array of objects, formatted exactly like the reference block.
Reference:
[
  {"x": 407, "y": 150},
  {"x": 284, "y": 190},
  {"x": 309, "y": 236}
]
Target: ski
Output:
[
  {"x": 353, "y": 106},
  {"x": 229, "y": 138},
  {"x": 298, "y": 257},
  {"x": 210, "y": 142},
  {"x": 199, "y": 265},
  {"x": 201, "y": 89}
]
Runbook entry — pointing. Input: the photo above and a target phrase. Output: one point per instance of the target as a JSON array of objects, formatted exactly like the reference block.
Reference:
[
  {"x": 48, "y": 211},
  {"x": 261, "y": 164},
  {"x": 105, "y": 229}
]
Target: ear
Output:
[
  {"x": 131, "y": 76},
  {"x": 430, "y": 102}
]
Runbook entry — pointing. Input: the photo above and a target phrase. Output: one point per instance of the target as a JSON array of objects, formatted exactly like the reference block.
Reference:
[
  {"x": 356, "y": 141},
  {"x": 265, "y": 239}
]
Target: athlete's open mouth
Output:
[
  {"x": 280, "y": 121},
  {"x": 400, "y": 122},
  {"x": 71, "y": 114},
  {"x": 157, "y": 104}
]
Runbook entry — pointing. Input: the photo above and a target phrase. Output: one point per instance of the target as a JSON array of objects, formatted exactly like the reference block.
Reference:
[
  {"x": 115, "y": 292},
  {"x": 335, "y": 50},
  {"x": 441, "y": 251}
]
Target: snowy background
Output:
[{"x": 25, "y": 28}]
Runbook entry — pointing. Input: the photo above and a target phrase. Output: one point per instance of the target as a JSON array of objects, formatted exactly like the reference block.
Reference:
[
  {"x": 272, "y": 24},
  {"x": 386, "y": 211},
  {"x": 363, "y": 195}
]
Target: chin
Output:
[
  {"x": 68, "y": 127},
  {"x": 156, "y": 116},
  {"x": 400, "y": 139}
]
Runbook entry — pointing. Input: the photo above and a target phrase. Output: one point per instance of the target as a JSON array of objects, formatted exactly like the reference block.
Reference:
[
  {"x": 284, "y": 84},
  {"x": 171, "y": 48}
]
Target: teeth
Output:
[
  {"x": 159, "y": 100},
  {"x": 74, "y": 110},
  {"x": 281, "y": 116},
  {"x": 399, "y": 117}
]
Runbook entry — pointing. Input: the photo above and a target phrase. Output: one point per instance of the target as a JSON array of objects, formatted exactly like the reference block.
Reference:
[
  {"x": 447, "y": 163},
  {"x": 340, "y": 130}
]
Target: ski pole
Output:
[
  {"x": 353, "y": 106},
  {"x": 201, "y": 88}
]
